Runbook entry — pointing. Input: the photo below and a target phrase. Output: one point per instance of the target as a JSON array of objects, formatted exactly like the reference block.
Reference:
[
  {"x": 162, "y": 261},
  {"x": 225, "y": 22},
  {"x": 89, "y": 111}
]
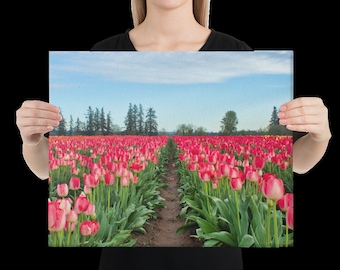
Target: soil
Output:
[{"x": 161, "y": 232}]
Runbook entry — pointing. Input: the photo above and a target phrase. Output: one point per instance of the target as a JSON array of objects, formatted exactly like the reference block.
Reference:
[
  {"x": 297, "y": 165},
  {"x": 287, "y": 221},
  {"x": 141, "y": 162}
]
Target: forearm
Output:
[
  {"x": 307, "y": 153},
  {"x": 36, "y": 158}
]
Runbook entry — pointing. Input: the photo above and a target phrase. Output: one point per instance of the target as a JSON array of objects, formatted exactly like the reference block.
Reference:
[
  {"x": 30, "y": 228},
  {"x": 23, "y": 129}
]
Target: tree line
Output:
[{"x": 97, "y": 122}]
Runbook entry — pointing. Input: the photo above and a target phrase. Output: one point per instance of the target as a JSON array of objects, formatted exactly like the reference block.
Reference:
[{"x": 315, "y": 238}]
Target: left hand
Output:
[{"x": 306, "y": 114}]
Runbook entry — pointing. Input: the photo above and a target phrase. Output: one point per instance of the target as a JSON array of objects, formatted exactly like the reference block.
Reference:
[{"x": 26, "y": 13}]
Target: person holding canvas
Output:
[{"x": 178, "y": 25}]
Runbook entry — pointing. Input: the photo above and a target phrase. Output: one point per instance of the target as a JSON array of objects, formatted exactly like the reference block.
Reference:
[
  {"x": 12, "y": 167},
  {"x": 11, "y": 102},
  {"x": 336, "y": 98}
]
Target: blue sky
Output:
[{"x": 195, "y": 88}]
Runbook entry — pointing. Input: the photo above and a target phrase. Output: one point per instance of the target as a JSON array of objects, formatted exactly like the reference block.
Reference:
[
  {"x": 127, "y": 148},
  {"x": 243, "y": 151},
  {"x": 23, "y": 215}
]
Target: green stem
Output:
[
  {"x": 91, "y": 191},
  {"x": 276, "y": 233},
  {"x": 286, "y": 235},
  {"x": 205, "y": 185},
  {"x": 54, "y": 239},
  {"x": 61, "y": 236},
  {"x": 268, "y": 222},
  {"x": 108, "y": 197},
  {"x": 68, "y": 240},
  {"x": 237, "y": 211}
]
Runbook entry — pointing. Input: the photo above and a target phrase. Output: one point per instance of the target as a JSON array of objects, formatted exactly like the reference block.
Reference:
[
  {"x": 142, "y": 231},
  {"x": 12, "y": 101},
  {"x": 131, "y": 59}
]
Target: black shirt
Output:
[{"x": 216, "y": 41}]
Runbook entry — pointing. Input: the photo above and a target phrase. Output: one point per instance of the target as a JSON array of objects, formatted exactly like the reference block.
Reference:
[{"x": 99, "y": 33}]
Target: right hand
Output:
[{"x": 35, "y": 118}]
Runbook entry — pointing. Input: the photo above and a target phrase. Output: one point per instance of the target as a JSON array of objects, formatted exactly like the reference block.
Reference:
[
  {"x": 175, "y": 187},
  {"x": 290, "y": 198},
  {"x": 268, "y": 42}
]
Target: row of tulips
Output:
[
  {"x": 237, "y": 191},
  {"x": 102, "y": 189}
]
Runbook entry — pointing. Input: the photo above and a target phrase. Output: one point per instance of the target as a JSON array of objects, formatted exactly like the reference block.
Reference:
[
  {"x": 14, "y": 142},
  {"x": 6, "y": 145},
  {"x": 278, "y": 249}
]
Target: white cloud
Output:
[{"x": 172, "y": 67}]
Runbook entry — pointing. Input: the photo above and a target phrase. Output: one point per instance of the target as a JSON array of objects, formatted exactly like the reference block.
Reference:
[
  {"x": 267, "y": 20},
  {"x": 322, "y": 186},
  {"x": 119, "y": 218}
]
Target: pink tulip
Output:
[
  {"x": 81, "y": 203},
  {"x": 258, "y": 162},
  {"x": 74, "y": 183},
  {"x": 62, "y": 190},
  {"x": 89, "y": 227},
  {"x": 56, "y": 216},
  {"x": 286, "y": 201},
  {"x": 236, "y": 183},
  {"x": 87, "y": 189},
  {"x": 109, "y": 178},
  {"x": 253, "y": 176},
  {"x": 91, "y": 209},
  {"x": 290, "y": 217},
  {"x": 85, "y": 229},
  {"x": 72, "y": 216},
  {"x": 272, "y": 187},
  {"x": 125, "y": 181},
  {"x": 91, "y": 180}
]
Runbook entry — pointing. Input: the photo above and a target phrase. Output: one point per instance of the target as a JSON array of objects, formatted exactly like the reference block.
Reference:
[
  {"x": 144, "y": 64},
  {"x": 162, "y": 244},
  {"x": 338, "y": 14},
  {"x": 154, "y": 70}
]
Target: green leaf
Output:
[
  {"x": 247, "y": 241},
  {"x": 223, "y": 236},
  {"x": 186, "y": 227},
  {"x": 204, "y": 225}
]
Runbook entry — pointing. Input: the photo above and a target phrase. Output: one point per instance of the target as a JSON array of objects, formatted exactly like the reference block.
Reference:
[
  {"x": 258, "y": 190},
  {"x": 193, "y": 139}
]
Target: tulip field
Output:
[{"x": 234, "y": 190}]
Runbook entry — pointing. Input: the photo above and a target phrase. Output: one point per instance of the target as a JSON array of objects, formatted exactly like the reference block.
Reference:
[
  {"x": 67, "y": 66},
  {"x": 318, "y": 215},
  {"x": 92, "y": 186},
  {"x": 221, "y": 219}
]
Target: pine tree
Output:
[
  {"x": 71, "y": 126},
  {"x": 151, "y": 126},
  {"x": 128, "y": 120},
  {"x": 274, "y": 120},
  {"x": 140, "y": 120},
  {"x": 90, "y": 124},
  {"x": 102, "y": 122}
]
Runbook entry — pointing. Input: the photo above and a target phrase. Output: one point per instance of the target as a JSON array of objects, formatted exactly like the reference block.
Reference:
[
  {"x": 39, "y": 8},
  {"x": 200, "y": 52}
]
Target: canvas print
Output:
[{"x": 170, "y": 149}]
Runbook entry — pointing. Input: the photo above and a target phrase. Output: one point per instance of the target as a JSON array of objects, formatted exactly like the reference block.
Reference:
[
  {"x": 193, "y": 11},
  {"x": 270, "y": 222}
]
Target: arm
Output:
[
  {"x": 307, "y": 114},
  {"x": 307, "y": 153},
  {"x": 34, "y": 119},
  {"x": 36, "y": 158}
]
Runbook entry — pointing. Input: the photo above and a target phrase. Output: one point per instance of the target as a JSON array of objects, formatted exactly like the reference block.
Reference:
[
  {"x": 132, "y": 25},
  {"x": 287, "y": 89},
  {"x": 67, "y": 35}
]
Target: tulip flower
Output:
[
  {"x": 62, "y": 190},
  {"x": 74, "y": 183},
  {"x": 272, "y": 187},
  {"x": 290, "y": 217},
  {"x": 273, "y": 190},
  {"x": 56, "y": 216},
  {"x": 81, "y": 203}
]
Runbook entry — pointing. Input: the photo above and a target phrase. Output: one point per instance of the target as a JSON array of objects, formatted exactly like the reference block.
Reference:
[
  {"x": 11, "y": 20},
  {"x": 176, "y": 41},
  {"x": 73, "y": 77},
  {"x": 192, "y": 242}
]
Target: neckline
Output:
[{"x": 210, "y": 37}]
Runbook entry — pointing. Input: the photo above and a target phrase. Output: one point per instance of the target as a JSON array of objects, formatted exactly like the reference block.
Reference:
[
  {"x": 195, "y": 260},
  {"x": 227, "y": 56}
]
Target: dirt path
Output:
[{"x": 162, "y": 231}]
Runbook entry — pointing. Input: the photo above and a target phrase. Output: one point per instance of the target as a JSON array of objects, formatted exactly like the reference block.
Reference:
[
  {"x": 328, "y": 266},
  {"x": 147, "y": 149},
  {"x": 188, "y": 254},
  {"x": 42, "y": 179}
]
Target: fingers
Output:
[
  {"x": 302, "y": 102},
  {"x": 305, "y": 114},
  {"x": 38, "y": 113},
  {"x": 35, "y": 117}
]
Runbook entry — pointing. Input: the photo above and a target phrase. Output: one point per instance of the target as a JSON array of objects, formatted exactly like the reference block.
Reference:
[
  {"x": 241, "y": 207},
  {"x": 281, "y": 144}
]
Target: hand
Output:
[
  {"x": 306, "y": 114},
  {"x": 35, "y": 118}
]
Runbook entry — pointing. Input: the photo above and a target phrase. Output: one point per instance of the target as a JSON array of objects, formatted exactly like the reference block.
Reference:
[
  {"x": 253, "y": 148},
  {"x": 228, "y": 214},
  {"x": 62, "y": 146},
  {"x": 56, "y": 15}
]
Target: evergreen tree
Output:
[
  {"x": 62, "y": 130},
  {"x": 102, "y": 122},
  {"x": 128, "y": 120},
  {"x": 71, "y": 131},
  {"x": 90, "y": 124},
  {"x": 274, "y": 120},
  {"x": 96, "y": 121},
  {"x": 140, "y": 120},
  {"x": 109, "y": 123},
  {"x": 78, "y": 127},
  {"x": 151, "y": 126},
  {"x": 134, "y": 119}
]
